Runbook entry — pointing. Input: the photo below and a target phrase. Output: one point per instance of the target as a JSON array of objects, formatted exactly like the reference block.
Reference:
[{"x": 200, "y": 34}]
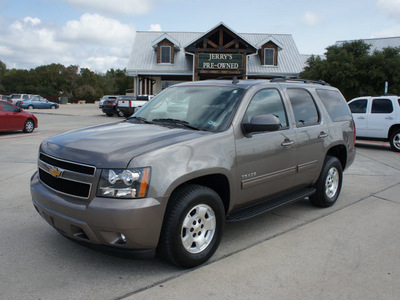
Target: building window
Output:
[
  {"x": 269, "y": 55},
  {"x": 165, "y": 54}
]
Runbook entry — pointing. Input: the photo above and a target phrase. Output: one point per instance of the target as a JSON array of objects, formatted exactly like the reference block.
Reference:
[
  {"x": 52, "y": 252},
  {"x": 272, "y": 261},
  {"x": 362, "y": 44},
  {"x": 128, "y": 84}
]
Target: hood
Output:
[{"x": 114, "y": 145}]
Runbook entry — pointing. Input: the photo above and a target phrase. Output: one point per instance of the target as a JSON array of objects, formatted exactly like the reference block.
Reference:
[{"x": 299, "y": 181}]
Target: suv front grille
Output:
[{"x": 66, "y": 177}]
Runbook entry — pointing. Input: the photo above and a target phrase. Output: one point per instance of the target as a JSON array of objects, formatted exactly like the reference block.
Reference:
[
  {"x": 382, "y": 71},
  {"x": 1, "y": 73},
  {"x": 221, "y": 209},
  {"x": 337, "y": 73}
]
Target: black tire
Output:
[
  {"x": 329, "y": 183},
  {"x": 30, "y": 107},
  {"x": 29, "y": 126},
  {"x": 179, "y": 243},
  {"x": 127, "y": 115},
  {"x": 110, "y": 115},
  {"x": 120, "y": 113},
  {"x": 53, "y": 107},
  {"x": 395, "y": 140}
]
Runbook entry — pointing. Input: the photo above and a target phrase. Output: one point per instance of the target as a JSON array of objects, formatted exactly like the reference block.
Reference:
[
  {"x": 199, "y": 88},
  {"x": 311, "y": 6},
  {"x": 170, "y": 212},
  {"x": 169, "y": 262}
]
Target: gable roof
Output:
[
  {"x": 143, "y": 57},
  {"x": 166, "y": 36}
]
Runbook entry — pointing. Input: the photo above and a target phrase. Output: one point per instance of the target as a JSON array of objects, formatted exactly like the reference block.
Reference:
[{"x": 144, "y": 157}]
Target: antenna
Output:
[{"x": 235, "y": 80}]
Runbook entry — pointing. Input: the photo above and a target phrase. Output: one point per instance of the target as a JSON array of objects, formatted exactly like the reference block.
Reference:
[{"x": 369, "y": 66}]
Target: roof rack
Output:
[{"x": 284, "y": 79}]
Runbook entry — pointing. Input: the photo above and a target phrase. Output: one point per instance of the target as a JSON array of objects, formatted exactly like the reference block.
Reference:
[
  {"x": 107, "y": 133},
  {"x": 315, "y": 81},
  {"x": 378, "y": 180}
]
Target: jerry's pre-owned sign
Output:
[{"x": 213, "y": 61}]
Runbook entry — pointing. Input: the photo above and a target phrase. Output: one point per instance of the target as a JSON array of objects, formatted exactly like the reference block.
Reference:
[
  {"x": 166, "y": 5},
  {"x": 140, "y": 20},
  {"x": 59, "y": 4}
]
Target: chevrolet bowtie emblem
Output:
[{"x": 55, "y": 172}]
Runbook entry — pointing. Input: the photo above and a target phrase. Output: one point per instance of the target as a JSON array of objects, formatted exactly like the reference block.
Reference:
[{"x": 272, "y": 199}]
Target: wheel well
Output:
[
  {"x": 340, "y": 153},
  {"x": 392, "y": 129},
  {"x": 217, "y": 182}
]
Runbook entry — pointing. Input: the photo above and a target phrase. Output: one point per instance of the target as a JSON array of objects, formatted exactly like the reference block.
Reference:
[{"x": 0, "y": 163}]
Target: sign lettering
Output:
[{"x": 213, "y": 61}]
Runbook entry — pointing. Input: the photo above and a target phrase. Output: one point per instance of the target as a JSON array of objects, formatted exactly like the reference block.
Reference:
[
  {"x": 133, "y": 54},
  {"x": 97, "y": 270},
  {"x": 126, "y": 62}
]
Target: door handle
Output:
[
  {"x": 322, "y": 135},
  {"x": 361, "y": 118},
  {"x": 287, "y": 143},
  {"x": 389, "y": 118}
]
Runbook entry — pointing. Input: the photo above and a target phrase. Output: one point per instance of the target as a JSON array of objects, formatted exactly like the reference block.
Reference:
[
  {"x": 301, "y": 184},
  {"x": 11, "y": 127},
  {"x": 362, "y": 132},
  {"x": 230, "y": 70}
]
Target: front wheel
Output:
[
  {"x": 30, "y": 107},
  {"x": 29, "y": 126},
  {"x": 193, "y": 226},
  {"x": 329, "y": 183},
  {"x": 395, "y": 140}
]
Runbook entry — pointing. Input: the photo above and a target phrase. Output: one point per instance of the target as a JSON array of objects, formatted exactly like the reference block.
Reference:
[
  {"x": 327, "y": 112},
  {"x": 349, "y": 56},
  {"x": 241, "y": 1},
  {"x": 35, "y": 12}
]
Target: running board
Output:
[{"x": 260, "y": 208}]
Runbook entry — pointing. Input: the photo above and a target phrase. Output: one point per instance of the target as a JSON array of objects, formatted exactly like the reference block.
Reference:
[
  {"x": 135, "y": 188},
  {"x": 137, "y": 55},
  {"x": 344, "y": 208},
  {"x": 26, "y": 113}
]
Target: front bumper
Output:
[{"x": 119, "y": 223}]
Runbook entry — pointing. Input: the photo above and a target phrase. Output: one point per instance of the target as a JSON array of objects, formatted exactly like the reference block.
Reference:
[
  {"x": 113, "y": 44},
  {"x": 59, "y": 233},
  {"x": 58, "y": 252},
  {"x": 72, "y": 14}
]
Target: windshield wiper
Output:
[
  {"x": 176, "y": 122},
  {"x": 140, "y": 119}
]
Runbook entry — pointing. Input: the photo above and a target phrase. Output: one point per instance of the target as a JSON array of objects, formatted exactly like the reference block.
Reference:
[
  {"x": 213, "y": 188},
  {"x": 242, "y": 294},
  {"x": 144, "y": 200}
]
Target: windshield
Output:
[{"x": 209, "y": 108}]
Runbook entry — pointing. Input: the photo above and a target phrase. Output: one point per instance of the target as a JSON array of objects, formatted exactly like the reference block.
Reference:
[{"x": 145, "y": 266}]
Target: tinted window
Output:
[
  {"x": 335, "y": 105},
  {"x": 359, "y": 106},
  {"x": 9, "y": 107},
  {"x": 382, "y": 106},
  {"x": 304, "y": 109},
  {"x": 267, "y": 102}
]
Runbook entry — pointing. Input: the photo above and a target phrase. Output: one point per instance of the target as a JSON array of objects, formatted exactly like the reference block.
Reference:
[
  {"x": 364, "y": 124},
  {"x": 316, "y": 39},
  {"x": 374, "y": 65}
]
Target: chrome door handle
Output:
[
  {"x": 287, "y": 143},
  {"x": 322, "y": 135}
]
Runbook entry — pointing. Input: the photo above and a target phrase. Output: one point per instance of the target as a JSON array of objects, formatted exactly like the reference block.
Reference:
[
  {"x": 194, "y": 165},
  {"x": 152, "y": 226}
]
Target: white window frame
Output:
[
  {"x": 161, "y": 55},
  {"x": 265, "y": 57}
]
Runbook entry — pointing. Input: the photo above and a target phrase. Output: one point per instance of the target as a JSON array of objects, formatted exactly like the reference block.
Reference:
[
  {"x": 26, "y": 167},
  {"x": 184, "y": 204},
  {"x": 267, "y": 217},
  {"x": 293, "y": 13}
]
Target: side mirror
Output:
[{"x": 261, "y": 123}]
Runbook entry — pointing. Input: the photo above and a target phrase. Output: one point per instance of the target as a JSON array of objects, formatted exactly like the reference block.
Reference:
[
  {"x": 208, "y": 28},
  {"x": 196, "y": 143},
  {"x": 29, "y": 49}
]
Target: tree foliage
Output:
[
  {"x": 55, "y": 80},
  {"x": 356, "y": 71}
]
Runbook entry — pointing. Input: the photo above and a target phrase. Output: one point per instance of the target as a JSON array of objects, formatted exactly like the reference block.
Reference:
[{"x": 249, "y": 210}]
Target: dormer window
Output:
[
  {"x": 165, "y": 54},
  {"x": 269, "y": 57}
]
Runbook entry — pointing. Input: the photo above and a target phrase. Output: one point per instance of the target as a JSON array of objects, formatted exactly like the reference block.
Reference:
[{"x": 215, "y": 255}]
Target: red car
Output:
[{"x": 14, "y": 118}]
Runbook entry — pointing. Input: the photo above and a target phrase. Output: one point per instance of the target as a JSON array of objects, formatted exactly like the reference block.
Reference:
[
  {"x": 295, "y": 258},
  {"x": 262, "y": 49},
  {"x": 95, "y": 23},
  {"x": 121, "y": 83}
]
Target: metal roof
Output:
[
  {"x": 143, "y": 57},
  {"x": 377, "y": 44}
]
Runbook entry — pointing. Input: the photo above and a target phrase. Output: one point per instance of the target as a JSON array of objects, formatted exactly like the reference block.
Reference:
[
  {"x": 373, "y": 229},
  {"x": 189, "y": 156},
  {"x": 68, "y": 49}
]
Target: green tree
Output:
[{"x": 355, "y": 71}]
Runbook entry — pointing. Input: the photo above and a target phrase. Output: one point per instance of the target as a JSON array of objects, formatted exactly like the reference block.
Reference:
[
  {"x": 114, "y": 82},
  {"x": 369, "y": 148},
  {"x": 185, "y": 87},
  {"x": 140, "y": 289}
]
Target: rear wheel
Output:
[
  {"x": 29, "y": 126},
  {"x": 30, "y": 107},
  {"x": 193, "y": 226},
  {"x": 329, "y": 183},
  {"x": 395, "y": 140},
  {"x": 120, "y": 113},
  {"x": 110, "y": 115}
]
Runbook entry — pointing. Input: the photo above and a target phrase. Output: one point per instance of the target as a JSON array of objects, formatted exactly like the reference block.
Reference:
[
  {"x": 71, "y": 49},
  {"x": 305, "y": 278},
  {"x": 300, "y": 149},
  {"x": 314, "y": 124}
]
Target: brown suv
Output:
[{"x": 197, "y": 155}]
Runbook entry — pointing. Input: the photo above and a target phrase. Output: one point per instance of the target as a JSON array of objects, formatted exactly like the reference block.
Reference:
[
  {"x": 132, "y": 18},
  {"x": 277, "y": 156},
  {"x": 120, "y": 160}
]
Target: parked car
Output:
[
  {"x": 128, "y": 105},
  {"x": 14, "y": 118},
  {"x": 14, "y": 98},
  {"x": 37, "y": 102},
  {"x": 4, "y": 97},
  {"x": 104, "y": 98},
  {"x": 154, "y": 181},
  {"x": 109, "y": 107},
  {"x": 377, "y": 117}
]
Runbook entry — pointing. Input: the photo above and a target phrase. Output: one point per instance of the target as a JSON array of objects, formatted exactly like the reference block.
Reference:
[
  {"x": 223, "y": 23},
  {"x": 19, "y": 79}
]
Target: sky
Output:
[{"x": 98, "y": 34}]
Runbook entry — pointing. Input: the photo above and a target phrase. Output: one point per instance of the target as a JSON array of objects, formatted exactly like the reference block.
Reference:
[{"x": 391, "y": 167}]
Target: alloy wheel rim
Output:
[
  {"x": 332, "y": 182},
  {"x": 29, "y": 126},
  {"x": 396, "y": 141},
  {"x": 198, "y": 228}
]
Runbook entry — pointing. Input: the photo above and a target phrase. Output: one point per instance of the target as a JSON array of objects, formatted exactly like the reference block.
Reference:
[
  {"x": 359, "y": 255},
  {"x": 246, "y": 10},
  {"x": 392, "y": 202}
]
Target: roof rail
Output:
[{"x": 284, "y": 79}]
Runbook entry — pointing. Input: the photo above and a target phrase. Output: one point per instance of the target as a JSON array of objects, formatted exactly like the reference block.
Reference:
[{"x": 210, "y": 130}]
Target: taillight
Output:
[{"x": 354, "y": 127}]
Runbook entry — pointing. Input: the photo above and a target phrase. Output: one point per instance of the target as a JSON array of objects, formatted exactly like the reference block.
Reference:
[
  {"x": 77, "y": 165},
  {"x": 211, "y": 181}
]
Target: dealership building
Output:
[{"x": 159, "y": 59}]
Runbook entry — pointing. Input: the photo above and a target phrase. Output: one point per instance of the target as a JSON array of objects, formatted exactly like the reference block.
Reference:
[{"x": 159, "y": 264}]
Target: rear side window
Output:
[
  {"x": 382, "y": 106},
  {"x": 335, "y": 105},
  {"x": 304, "y": 108},
  {"x": 359, "y": 106}
]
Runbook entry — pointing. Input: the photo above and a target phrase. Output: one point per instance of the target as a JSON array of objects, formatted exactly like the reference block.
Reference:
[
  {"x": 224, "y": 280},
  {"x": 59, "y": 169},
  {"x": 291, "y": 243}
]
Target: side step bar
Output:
[{"x": 260, "y": 208}]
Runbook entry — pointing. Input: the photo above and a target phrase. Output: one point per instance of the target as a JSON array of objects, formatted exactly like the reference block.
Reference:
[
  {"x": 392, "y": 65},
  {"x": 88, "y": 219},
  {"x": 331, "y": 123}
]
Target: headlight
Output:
[{"x": 129, "y": 183}]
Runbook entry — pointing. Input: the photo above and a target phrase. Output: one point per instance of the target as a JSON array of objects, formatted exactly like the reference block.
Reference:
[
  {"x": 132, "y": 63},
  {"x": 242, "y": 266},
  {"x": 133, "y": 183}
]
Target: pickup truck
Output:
[{"x": 128, "y": 105}]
